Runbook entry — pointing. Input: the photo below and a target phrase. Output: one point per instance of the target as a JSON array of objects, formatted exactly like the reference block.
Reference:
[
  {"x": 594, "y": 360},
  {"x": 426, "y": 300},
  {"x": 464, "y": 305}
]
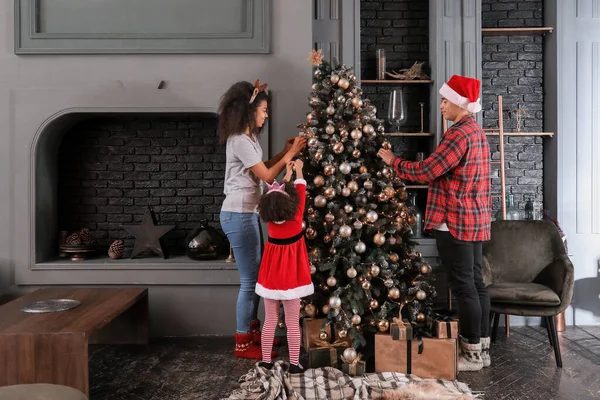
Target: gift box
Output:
[
  {"x": 401, "y": 330},
  {"x": 444, "y": 325},
  {"x": 325, "y": 357},
  {"x": 311, "y": 328},
  {"x": 355, "y": 368},
  {"x": 427, "y": 358}
]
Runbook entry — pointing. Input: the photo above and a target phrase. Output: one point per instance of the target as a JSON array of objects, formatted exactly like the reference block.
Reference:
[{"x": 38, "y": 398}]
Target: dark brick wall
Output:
[
  {"x": 401, "y": 27},
  {"x": 513, "y": 68},
  {"x": 111, "y": 169}
]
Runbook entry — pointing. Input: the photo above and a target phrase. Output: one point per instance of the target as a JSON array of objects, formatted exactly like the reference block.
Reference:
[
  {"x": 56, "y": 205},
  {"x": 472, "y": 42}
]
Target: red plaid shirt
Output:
[{"x": 458, "y": 173}]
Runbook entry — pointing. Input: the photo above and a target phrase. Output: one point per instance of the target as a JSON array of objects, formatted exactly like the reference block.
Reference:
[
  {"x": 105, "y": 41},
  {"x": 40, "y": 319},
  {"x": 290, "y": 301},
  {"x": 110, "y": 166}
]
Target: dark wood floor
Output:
[{"x": 204, "y": 368}]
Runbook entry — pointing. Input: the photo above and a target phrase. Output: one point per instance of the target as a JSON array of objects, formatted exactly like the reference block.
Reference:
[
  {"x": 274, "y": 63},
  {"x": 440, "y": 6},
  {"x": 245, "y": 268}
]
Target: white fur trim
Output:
[
  {"x": 450, "y": 94},
  {"x": 290, "y": 294},
  {"x": 299, "y": 182}
]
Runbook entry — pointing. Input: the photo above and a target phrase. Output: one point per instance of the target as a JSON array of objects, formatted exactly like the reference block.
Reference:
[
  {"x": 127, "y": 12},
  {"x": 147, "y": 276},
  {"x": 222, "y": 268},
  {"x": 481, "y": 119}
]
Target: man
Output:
[{"x": 459, "y": 211}]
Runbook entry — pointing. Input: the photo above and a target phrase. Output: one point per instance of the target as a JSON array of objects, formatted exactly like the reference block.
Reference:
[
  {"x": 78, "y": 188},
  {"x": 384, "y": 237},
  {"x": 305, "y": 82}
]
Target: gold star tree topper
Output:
[{"x": 315, "y": 57}]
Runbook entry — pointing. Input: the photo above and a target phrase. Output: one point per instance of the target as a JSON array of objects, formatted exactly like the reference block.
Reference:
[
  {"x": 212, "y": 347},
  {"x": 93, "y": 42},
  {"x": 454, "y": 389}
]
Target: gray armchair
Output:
[{"x": 528, "y": 273}]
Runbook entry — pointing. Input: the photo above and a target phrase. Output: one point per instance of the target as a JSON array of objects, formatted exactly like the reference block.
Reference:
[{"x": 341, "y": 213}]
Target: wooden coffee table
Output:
[{"x": 53, "y": 347}]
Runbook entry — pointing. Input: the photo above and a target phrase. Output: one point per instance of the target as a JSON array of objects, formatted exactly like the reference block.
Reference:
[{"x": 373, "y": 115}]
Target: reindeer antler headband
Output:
[{"x": 257, "y": 89}]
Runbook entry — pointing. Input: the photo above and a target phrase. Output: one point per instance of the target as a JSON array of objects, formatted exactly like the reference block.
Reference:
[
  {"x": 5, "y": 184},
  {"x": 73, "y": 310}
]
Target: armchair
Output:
[{"x": 528, "y": 273}]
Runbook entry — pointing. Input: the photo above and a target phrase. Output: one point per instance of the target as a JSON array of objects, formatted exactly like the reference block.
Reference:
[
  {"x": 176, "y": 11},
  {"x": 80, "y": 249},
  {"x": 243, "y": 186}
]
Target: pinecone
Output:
[
  {"x": 86, "y": 236},
  {"x": 116, "y": 249},
  {"x": 73, "y": 239}
]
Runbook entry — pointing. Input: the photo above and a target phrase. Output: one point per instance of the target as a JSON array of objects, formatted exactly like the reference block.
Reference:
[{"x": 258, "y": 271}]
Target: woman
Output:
[{"x": 242, "y": 113}]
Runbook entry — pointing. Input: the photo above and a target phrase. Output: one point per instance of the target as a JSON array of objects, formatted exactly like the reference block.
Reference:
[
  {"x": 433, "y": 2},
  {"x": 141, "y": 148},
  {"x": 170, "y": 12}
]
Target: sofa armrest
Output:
[
  {"x": 486, "y": 271},
  {"x": 558, "y": 276}
]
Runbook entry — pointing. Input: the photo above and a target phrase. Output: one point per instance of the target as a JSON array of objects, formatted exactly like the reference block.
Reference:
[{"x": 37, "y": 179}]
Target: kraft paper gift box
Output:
[
  {"x": 311, "y": 327},
  {"x": 355, "y": 369},
  {"x": 435, "y": 359},
  {"x": 444, "y": 324},
  {"x": 401, "y": 330}
]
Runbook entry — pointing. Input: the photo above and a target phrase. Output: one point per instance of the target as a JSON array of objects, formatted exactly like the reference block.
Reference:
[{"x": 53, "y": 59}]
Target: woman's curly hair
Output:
[
  {"x": 276, "y": 206},
  {"x": 236, "y": 113}
]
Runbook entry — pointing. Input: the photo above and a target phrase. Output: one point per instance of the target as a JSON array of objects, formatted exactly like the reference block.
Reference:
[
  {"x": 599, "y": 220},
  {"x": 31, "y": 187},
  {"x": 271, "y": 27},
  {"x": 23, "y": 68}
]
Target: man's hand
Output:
[{"x": 386, "y": 155}]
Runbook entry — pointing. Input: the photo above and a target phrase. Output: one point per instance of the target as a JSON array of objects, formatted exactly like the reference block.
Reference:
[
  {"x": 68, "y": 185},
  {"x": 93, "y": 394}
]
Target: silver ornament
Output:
[
  {"x": 313, "y": 142},
  {"x": 351, "y": 272},
  {"x": 368, "y": 185},
  {"x": 331, "y": 281},
  {"x": 356, "y": 134},
  {"x": 335, "y": 302},
  {"x": 334, "y": 78},
  {"x": 345, "y": 168},
  {"x": 355, "y": 319},
  {"x": 348, "y": 208},
  {"x": 421, "y": 295},
  {"x": 375, "y": 270},
  {"x": 313, "y": 269},
  {"x": 360, "y": 247},
  {"x": 368, "y": 129},
  {"x": 330, "y": 129},
  {"x": 329, "y": 217},
  {"x": 388, "y": 283},
  {"x": 372, "y": 216},
  {"x": 320, "y": 201},
  {"x": 346, "y": 192},
  {"x": 345, "y": 231},
  {"x": 343, "y": 83},
  {"x": 330, "y": 110},
  {"x": 358, "y": 225},
  {"x": 350, "y": 355}
]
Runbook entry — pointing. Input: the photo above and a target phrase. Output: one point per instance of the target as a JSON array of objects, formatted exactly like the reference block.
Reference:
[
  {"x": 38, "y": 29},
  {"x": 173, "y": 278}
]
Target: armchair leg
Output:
[
  {"x": 555, "y": 343},
  {"x": 492, "y": 314},
  {"x": 495, "y": 329},
  {"x": 507, "y": 324},
  {"x": 548, "y": 330}
]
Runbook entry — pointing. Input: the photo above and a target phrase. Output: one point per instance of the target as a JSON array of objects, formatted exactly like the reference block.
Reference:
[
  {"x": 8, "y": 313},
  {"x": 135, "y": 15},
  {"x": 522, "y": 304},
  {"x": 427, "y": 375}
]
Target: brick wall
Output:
[
  {"x": 111, "y": 169},
  {"x": 513, "y": 68}
]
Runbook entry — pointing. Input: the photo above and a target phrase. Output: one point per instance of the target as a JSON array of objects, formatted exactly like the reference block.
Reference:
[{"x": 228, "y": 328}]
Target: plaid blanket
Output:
[{"x": 326, "y": 383}]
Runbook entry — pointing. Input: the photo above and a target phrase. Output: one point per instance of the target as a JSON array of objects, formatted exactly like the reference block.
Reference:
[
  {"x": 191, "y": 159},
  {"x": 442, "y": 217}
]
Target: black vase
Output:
[{"x": 205, "y": 243}]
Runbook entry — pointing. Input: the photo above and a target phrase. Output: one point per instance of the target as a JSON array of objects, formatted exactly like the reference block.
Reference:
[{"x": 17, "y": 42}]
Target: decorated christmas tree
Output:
[{"x": 358, "y": 221}]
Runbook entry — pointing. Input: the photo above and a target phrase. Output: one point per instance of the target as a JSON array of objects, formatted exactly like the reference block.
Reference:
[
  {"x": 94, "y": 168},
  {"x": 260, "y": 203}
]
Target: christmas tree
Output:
[{"x": 357, "y": 224}]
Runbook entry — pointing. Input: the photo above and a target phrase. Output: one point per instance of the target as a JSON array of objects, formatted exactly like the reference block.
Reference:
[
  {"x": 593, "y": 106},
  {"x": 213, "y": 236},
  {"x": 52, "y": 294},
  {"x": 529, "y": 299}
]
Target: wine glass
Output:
[{"x": 397, "y": 109}]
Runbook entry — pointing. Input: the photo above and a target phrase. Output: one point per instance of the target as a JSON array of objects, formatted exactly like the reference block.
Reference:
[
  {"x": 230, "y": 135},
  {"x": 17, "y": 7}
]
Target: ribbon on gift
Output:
[
  {"x": 446, "y": 317},
  {"x": 352, "y": 365},
  {"x": 397, "y": 321},
  {"x": 418, "y": 333},
  {"x": 332, "y": 348}
]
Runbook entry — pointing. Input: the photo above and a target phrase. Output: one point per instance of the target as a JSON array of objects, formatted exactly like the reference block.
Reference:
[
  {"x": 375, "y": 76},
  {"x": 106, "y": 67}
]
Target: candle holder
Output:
[
  {"x": 380, "y": 64},
  {"x": 422, "y": 114}
]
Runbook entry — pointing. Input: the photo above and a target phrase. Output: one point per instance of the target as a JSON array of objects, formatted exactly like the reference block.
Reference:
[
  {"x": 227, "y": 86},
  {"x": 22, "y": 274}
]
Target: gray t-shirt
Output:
[{"x": 242, "y": 188}]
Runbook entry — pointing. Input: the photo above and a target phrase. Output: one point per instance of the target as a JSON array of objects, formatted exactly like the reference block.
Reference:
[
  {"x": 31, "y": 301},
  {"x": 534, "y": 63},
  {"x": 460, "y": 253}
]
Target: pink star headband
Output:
[{"x": 276, "y": 187}]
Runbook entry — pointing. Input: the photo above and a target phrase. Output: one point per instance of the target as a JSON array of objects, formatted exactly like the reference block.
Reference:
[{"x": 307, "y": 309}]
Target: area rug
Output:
[{"x": 330, "y": 383}]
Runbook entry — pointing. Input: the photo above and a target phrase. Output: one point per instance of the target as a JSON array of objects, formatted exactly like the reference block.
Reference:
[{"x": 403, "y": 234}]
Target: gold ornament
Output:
[
  {"x": 368, "y": 185},
  {"x": 383, "y": 325},
  {"x": 379, "y": 239},
  {"x": 342, "y": 333},
  {"x": 313, "y": 142},
  {"x": 315, "y": 57},
  {"x": 357, "y": 102},
  {"x": 355, "y": 319},
  {"x": 362, "y": 211},
  {"x": 421, "y": 295},
  {"x": 318, "y": 156},
  {"x": 319, "y": 181},
  {"x": 374, "y": 303},
  {"x": 356, "y": 134},
  {"x": 352, "y": 77},
  {"x": 368, "y": 129},
  {"x": 320, "y": 201},
  {"x": 326, "y": 309},
  {"x": 366, "y": 285},
  {"x": 326, "y": 239},
  {"x": 425, "y": 269},
  {"x": 386, "y": 145},
  {"x": 420, "y": 317},
  {"x": 343, "y": 83},
  {"x": 311, "y": 233},
  {"x": 351, "y": 272},
  {"x": 358, "y": 225},
  {"x": 375, "y": 270},
  {"x": 348, "y": 208},
  {"x": 329, "y": 169},
  {"x": 329, "y": 217},
  {"x": 345, "y": 231},
  {"x": 330, "y": 129},
  {"x": 412, "y": 220},
  {"x": 389, "y": 191},
  {"x": 329, "y": 193},
  {"x": 323, "y": 335},
  {"x": 346, "y": 192},
  {"x": 338, "y": 148},
  {"x": 344, "y": 134},
  {"x": 394, "y": 293},
  {"x": 383, "y": 197},
  {"x": 352, "y": 185},
  {"x": 310, "y": 310},
  {"x": 334, "y": 78},
  {"x": 356, "y": 153},
  {"x": 331, "y": 281},
  {"x": 330, "y": 110},
  {"x": 385, "y": 171},
  {"x": 393, "y": 256},
  {"x": 363, "y": 169}
]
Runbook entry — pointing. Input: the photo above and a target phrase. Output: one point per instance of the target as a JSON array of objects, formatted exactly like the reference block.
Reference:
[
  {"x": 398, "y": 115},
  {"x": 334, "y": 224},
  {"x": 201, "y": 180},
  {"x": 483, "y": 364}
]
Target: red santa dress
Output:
[{"x": 284, "y": 270}]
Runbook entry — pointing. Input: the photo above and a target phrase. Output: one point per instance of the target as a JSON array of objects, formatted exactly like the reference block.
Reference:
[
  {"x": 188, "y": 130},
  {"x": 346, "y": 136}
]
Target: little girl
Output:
[{"x": 284, "y": 271}]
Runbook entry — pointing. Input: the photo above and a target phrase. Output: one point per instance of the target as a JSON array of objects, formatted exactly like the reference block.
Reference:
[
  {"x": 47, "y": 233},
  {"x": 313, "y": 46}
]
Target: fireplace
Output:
[
  {"x": 96, "y": 157},
  {"x": 112, "y": 167}
]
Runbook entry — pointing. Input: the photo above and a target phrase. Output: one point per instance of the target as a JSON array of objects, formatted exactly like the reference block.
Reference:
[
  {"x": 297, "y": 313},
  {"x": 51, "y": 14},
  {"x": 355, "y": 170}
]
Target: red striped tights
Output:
[{"x": 292, "y": 322}]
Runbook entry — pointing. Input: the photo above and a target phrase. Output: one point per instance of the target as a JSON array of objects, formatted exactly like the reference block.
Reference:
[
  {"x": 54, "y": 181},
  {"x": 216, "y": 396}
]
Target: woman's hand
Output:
[
  {"x": 288, "y": 144},
  {"x": 297, "y": 145},
  {"x": 386, "y": 155}
]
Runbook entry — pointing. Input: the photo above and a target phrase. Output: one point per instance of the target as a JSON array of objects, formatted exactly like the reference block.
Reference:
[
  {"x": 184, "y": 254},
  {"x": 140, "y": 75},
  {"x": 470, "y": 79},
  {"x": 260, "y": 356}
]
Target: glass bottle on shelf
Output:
[
  {"x": 417, "y": 228},
  {"x": 532, "y": 210},
  {"x": 512, "y": 212}
]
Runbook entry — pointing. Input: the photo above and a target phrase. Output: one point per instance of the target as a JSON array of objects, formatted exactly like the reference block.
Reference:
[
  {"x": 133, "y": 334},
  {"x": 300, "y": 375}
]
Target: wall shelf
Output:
[
  {"x": 417, "y": 187},
  {"x": 409, "y": 134},
  {"x": 541, "y": 30},
  {"x": 394, "y": 81},
  {"x": 523, "y": 134}
]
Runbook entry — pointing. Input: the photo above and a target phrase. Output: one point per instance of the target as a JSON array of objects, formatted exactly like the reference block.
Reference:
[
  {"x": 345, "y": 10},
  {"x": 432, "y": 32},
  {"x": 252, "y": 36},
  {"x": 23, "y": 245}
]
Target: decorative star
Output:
[
  {"x": 315, "y": 57},
  {"x": 148, "y": 235}
]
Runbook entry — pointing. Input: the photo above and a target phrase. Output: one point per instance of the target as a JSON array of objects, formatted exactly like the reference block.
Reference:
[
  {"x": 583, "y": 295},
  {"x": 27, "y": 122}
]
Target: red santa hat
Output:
[{"x": 464, "y": 92}]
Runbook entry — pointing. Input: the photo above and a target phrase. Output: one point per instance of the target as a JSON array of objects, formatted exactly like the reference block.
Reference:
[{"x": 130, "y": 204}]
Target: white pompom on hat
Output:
[{"x": 464, "y": 92}]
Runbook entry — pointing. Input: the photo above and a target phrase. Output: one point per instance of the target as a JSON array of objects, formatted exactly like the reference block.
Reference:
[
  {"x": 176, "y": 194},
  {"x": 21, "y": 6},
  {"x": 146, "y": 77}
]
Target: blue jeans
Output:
[{"x": 244, "y": 234}]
